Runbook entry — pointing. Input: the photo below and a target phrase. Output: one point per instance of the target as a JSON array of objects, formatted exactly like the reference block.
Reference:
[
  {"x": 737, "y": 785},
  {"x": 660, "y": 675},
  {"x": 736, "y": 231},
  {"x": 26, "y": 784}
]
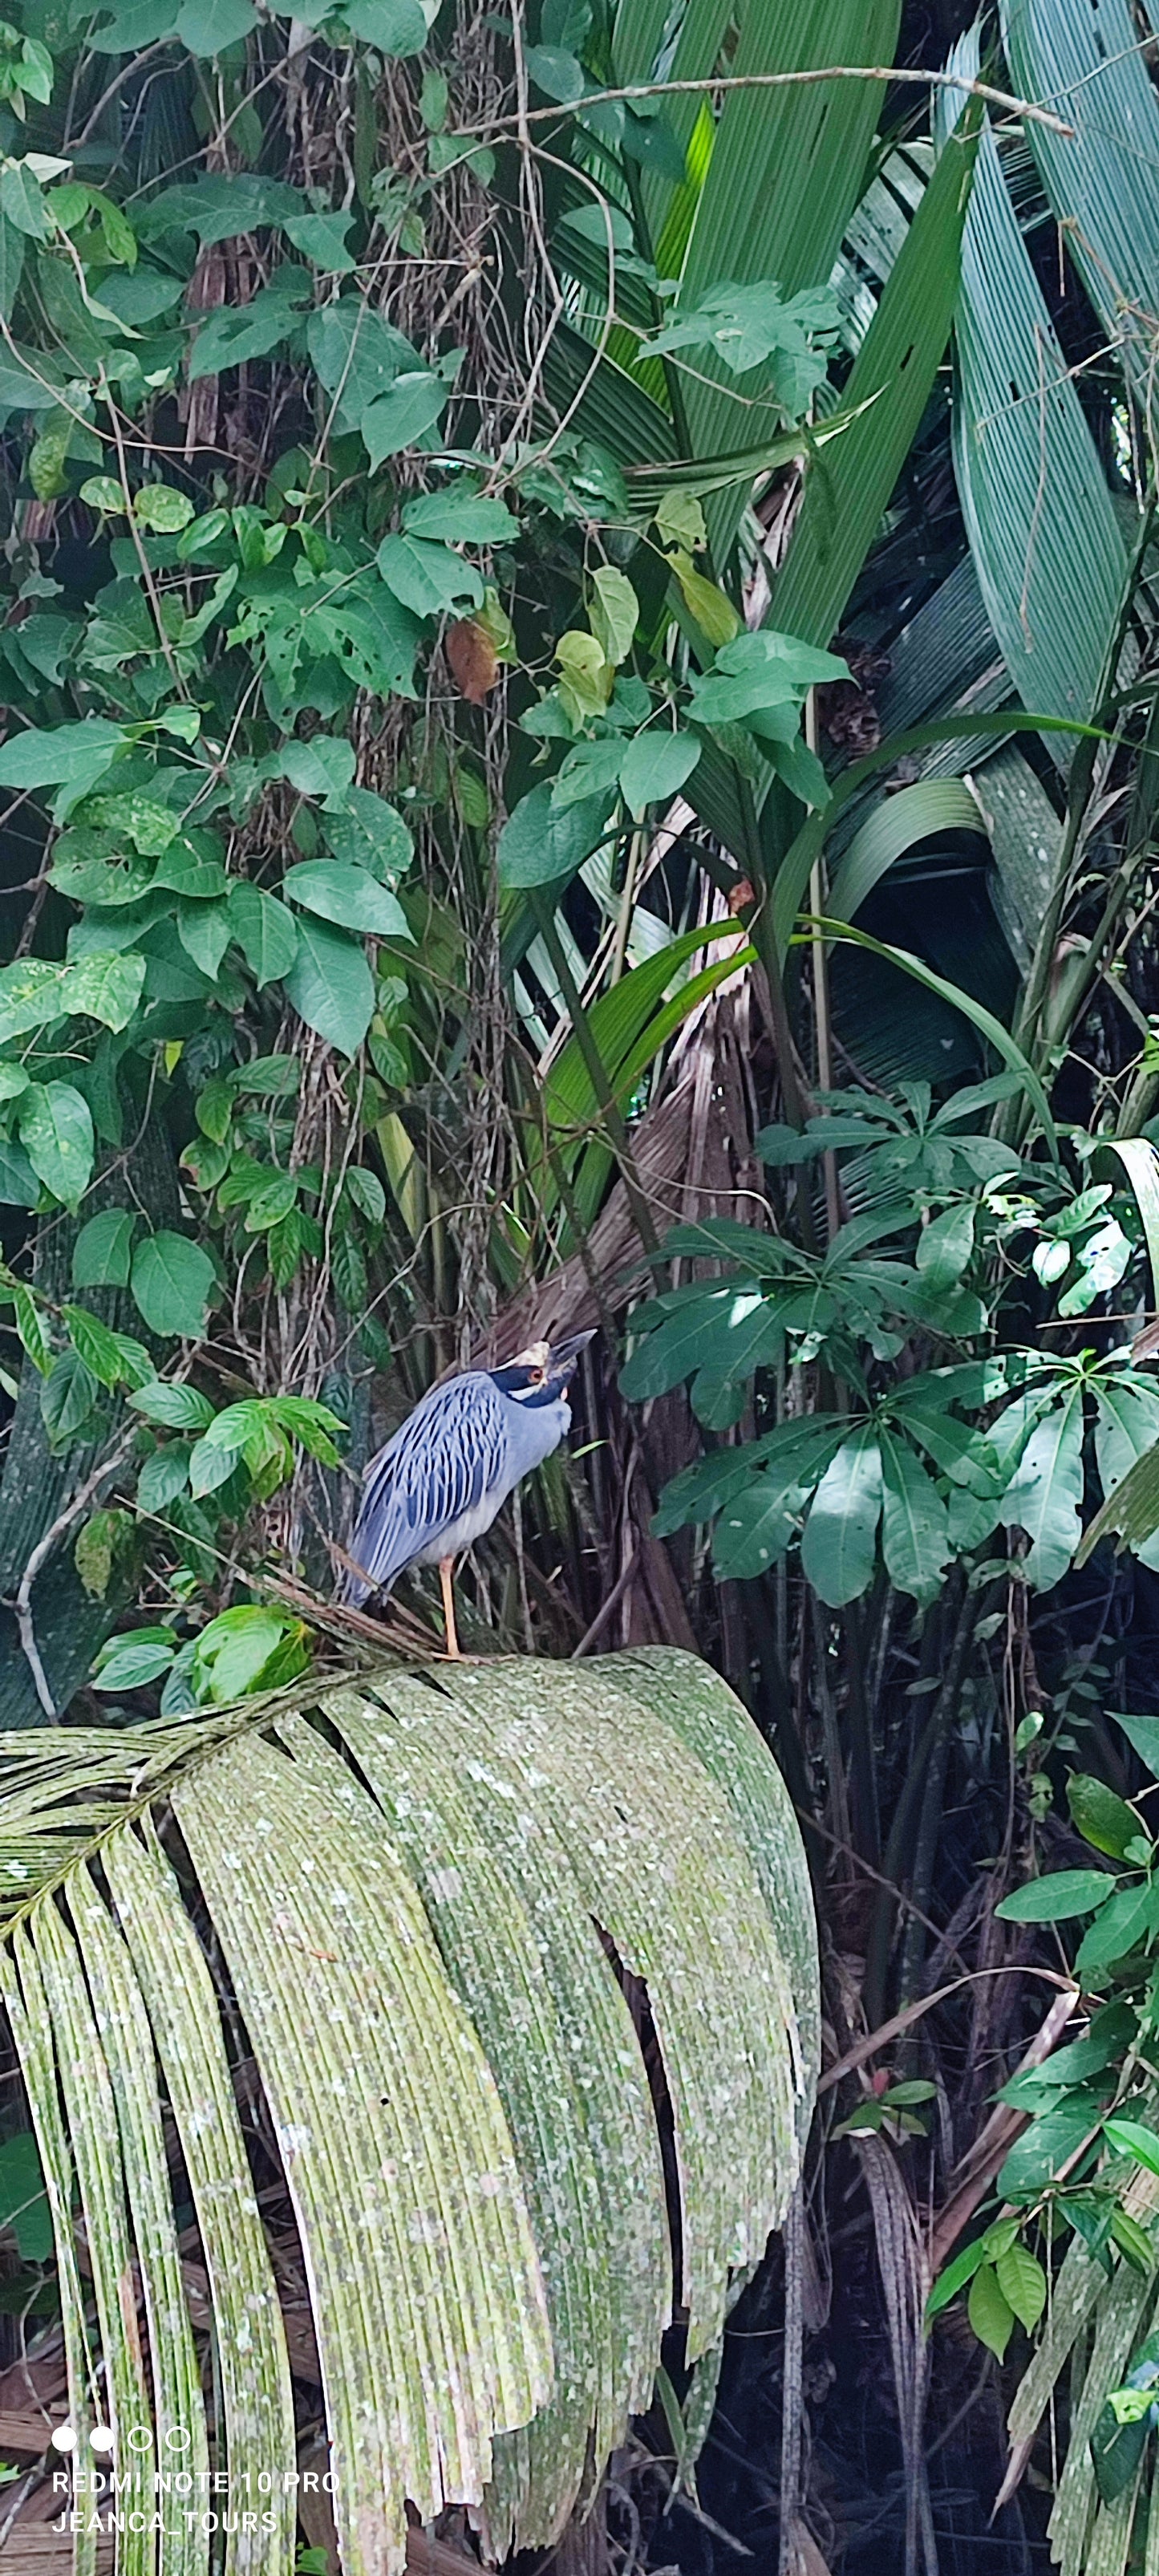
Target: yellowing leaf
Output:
[
  {"x": 713, "y": 611},
  {"x": 587, "y": 678},
  {"x": 680, "y": 521},
  {"x": 615, "y": 610}
]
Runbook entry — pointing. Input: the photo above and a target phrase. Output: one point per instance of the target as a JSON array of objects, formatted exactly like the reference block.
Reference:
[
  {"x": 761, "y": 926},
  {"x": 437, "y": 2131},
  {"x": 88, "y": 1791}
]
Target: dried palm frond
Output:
[{"x": 398, "y": 1922}]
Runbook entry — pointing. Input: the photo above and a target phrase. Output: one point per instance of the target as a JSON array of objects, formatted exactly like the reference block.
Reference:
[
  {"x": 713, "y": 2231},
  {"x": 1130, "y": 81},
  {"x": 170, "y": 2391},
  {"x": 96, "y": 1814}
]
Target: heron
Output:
[{"x": 447, "y": 1471}]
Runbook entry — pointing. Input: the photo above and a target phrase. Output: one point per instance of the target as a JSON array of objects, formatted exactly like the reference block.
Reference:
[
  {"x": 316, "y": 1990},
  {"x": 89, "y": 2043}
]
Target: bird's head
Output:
[{"x": 541, "y": 1373}]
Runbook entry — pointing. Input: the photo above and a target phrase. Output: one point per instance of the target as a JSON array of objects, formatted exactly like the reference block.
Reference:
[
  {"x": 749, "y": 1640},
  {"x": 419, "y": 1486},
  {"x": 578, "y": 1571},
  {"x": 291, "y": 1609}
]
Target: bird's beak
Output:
[{"x": 564, "y": 1355}]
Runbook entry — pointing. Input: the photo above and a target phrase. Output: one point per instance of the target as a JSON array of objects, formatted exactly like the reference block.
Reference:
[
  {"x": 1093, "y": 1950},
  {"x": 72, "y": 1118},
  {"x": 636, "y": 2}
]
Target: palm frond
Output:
[
  {"x": 440, "y": 1913},
  {"x": 1043, "y": 534},
  {"x": 1102, "y": 179}
]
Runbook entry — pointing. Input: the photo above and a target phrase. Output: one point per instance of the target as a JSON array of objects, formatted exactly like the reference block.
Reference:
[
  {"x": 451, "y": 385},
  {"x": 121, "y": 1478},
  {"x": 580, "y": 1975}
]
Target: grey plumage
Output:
[{"x": 440, "y": 1481}]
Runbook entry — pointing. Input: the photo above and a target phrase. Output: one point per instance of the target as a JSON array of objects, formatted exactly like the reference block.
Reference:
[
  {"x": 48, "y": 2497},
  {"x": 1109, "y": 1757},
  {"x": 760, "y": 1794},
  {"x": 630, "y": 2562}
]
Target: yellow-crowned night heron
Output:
[{"x": 439, "y": 1483}]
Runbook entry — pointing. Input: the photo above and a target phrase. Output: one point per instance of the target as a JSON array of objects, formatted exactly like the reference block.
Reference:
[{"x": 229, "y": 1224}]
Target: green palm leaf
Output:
[
  {"x": 394, "y": 1887},
  {"x": 847, "y": 493},
  {"x": 1050, "y": 560},
  {"x": 1103, "y": 178},
  {"x": 787, "y": 169}
]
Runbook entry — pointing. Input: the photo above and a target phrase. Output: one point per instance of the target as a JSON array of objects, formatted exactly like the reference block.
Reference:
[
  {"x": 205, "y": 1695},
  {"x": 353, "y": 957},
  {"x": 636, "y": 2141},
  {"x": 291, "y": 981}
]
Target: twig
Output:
[
  {"x": 878, "y": 2039},
  {"x": 22, "y": 1605},
  {"x": 718, "y": 86},
  {"x": 599, "y": 1623}
]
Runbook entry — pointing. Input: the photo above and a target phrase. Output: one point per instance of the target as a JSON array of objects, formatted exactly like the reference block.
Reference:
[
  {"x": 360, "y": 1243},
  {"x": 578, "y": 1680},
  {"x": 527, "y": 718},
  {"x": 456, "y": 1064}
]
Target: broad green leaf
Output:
[
  {"x": 209, "y": 26},
  {"x": 100, "y": 987},
  {"x": 236, "y": 333},
  {"x": 176, "y": 1408},
  {"x": 32, "y": 1330},
  {"x": 394, "y": 27},
  {"x": 162, "y": 509},
  {"x": 614, "y": 612},
  {"x": 133, "y": 25},
  {"x": 103, "y": 1250},
  {"x": 1140, "y": 1161},
  {"x": 56, "y": 1131},
  {"x": 68, "y": 1400},
  {"x": 370, "y": 834},
  {"x": 172, "y": 1281},
  {"x": 1038, "y": 2156},
  {"x": 336, "y": 891},
  {"x": 320, "y": 768},
  {"x": 1057, "y": 1898},
  {"x": 1116, "y": 2451},
  {"x": 752, "y": 1338},
  {"x": 755, "y": 1526},
  {"x": 745, "y": 326},
  {"x": 1099, "y": 1816},
  {"x": 330, "y": 985},
  {"x": 264, "y": 929},
  {"x": 247, "y": 1649},
  {"x": 322, "y": 240},
  {"x": 796, "y": 1453},
  {"x": 357, "y": 354},
  {"x": 655, "y": 767},
  {"x": 69, "y": 755},
  {"x": 1126, "y": 1431},
  {"x": 113, "y": 1358},
  {"x": 989, "y": 2311},
  {"x": 955, "y": 2277},
  {"x": 22, "y": 201},
  {"x": 459, "y": 518},
  {"x": 396, "y": 419},
  {"x": 132, "y": 1666},
  {"x": 914, "y": 1530},
  {"x": 696, "y": 1330},
  {"x": 708, "y": 605},
  {"x": 591, "y": 770},
  {"x": 1119, "y": 1927},
  {"x": 1130, "y": 2138},
  {"x": 1022, "y": 2282},
  {"x": 428, "y": 578},
  {"x": 758, "y": 672},
  {"x": 219, "y": 207},
  {"x": 542, "y": 841},
  {"x": 1143, "y": 1734},
  {"x": 204, "y": 930},
  {"x": 556, "y": 71},
  {"x": 1045, "y": 1494},
  {"x": 945, "y": 1247},
  {"x": 1133, "y": 2241},
  {"x": 839, "y": 1547},
  {"x": 163, "y": 1477}
]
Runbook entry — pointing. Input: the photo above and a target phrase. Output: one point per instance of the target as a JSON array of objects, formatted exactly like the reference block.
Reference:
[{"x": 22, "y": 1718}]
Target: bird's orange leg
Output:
[{"x": 446, "y": 1578}]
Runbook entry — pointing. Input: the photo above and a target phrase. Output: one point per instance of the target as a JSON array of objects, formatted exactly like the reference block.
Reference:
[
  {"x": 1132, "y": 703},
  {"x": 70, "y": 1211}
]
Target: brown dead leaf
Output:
[{"x": 473, "y": 659}]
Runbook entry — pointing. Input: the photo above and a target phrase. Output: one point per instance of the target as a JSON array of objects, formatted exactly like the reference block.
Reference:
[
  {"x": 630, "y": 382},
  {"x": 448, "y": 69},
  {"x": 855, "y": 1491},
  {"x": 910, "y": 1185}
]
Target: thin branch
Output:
[{"x": 717, "y": 86}]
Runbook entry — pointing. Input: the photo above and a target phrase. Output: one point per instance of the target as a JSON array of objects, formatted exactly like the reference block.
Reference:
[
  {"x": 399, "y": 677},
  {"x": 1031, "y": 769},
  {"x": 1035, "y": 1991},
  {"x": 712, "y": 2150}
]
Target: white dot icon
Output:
[
  {"x": 102, "y": 2438},
  {"x": 63, "y": 2437}
]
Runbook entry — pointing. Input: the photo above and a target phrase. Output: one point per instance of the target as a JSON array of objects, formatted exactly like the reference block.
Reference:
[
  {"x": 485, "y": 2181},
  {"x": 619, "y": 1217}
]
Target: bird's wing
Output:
[{"x": 448, "y": 1454}]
